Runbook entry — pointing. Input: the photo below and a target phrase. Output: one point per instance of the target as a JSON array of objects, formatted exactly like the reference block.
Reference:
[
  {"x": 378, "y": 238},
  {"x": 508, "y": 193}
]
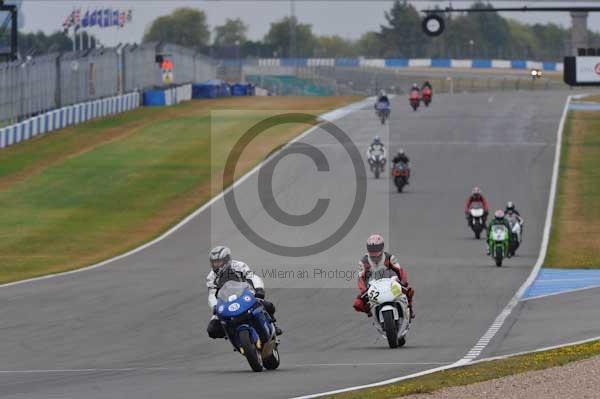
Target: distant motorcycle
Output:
[
  {"x": 414, "y": 99},
  {"x": 426, "y": 95},
  {"x": 377, "y": 162},
  {"x": 248, "y": 325},
  {"x": 401, "y": 174},
  {"x": 499, "y": 244},
  {"x": 476, "y": 218},
  {"x": 388, "y": 300},
  {"x": 382, "y": 109},
  {"x": 516, "y": 227}
]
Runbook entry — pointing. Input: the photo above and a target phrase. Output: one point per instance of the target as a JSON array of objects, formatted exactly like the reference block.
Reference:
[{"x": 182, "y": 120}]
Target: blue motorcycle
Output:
[
  {"x": 247, "y": 324},
  {"x": 382, "y": 109}
]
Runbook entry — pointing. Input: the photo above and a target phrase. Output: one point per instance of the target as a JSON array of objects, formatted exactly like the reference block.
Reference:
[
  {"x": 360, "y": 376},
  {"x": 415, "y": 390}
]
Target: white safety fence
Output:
[
  {"x": 67, "y": 116},
  {"x": 178, "y": 94}
]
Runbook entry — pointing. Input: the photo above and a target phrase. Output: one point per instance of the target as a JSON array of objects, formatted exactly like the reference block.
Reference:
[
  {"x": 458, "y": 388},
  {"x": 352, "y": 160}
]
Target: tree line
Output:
[{"x": 467, "y": 35}]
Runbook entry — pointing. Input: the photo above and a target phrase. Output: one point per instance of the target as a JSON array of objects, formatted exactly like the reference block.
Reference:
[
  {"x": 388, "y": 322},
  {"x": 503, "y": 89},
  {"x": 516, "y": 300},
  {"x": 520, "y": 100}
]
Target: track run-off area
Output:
[{"x": 136, "y": 327}]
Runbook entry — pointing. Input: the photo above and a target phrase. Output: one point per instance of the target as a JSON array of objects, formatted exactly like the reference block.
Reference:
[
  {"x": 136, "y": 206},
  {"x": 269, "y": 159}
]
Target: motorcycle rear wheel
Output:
[
  {"x": 250, "y": 351},
  {"x": 389, "y": 326},
  {"x": 272, "y": 362}
]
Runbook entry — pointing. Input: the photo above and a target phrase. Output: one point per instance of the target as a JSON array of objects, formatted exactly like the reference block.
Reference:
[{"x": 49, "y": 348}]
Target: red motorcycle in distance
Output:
[
  {"x": 426, "y": 94},
  {"x": 401, "y": 174},
  {"x": 414, "y": 99}
]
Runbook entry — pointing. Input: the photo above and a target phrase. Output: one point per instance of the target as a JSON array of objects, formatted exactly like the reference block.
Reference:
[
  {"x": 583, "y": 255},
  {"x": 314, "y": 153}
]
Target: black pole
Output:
[
  {"x": 14, "y": 29},
  {"x": 513, "y": 9},
  {"x": 15, "y": 33}
]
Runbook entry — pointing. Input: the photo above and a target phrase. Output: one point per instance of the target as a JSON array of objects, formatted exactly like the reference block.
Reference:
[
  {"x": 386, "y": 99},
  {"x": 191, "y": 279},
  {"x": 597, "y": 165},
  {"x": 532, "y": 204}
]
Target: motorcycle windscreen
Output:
[
  {"x": 499, "y": 232},
  {"x": 232, "y": 290}
]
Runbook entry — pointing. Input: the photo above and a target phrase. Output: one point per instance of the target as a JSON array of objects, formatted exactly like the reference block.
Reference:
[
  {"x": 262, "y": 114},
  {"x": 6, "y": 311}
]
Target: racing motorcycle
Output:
[
  {"x": 376, "y": 161},
  {"x": 390, "y": 305},
  {"x": 426, "y": 96},
  {"x": 400, "y": 173},
  {"x": 498, "y": 242},
  {"x": 516, "y": 227},
  {"x": 476, "y": 218},
  {"x": 248, "y": 325},
  {"x": 414, "y": 100},
  {"x": 382, "y": 109}
]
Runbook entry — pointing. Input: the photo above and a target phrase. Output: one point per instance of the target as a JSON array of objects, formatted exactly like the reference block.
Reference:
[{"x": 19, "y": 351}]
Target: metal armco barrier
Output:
[{"x": 40, "y": 84}]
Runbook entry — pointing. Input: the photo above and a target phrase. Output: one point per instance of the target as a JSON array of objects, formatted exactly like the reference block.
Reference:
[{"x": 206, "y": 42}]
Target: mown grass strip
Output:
[
  {"x": 478, "y": 372},
  {"x": 575, "y": 236},
  {"x": 81, "y": 195}
]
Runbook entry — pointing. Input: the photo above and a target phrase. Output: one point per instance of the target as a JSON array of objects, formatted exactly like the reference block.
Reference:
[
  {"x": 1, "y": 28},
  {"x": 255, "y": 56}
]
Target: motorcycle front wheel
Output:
[
  {"x": 391, "y": 331},
  {"x": 272, "y": 362},
  {"x": 250, "y": 351},
  {"x": 498, "y": 256}
]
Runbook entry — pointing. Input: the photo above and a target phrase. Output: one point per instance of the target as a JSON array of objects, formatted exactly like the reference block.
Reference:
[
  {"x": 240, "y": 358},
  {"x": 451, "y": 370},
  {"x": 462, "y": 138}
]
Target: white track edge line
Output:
[
  {"x": 499, "y": 321},
  {"x": 350, "y": 108},
  {"x": 506, "y": 312},
  {"x": 591, "y": 287},
  {"x": 546, "y": 348}
]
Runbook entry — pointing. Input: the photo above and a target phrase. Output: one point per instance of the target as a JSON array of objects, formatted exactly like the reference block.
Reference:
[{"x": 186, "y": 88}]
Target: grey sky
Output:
[{"x": 345, "y": 18}]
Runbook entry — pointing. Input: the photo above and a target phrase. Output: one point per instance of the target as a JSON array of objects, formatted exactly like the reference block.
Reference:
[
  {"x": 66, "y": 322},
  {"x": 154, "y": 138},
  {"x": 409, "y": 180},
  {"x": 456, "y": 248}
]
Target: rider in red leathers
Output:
[
  {"x": 374, "y": 264},
  {"x": 476, "y": 196}
]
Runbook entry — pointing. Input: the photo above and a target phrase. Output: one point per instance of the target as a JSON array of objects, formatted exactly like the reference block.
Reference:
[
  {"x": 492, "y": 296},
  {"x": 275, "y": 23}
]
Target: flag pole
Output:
[{"x": 72, "y": 24}]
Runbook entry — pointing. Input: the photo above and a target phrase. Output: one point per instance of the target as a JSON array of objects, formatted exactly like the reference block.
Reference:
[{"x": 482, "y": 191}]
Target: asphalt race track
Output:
[
  {"x": 553, "y": 320},
  {"x": 136, "y": 328}
]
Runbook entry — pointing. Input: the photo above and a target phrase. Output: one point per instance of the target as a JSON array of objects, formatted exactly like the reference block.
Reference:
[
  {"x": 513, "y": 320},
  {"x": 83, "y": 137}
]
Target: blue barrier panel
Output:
[
  {"x": 206, "y": 90},
  {"x": 154, "y": 98},
  {"x": 481, "y": 64},
  {"x": 347, "y": 62},
  {"x": 549, "y": 66},
  {"x": 518, "y": 64},
  {"x": 300, "y": 62},
  {"x": 396, "y": 62},
  {"x": 440, "y": 62},
  {"x": 239, "y": 89}
]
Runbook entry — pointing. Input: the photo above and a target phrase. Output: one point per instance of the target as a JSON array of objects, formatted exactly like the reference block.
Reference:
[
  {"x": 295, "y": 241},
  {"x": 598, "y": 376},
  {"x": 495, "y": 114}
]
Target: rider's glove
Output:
[
  {"x": 214, "y": 309},
  {"x": 259, "y": 293}
]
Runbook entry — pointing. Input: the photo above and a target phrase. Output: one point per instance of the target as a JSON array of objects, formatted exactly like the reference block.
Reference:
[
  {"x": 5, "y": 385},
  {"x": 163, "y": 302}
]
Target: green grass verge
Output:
[
  {"x": 89, "y": 192},
  {"x": 575, "y": 235},
  {"x": 478, "y": 372}
]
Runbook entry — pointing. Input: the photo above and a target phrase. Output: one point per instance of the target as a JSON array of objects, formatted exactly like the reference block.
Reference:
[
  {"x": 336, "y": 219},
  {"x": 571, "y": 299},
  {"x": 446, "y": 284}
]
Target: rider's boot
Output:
[
  {"x": 410, "y": 293},
  {"x": 278, "y": 330}
]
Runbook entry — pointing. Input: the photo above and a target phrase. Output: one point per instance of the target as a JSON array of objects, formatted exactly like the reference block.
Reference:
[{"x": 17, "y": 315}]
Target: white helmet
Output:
[
  {"x": 400, "y": 151},
  {"x": 219, "y": 257},
  {"x": 382, "y": 93}
]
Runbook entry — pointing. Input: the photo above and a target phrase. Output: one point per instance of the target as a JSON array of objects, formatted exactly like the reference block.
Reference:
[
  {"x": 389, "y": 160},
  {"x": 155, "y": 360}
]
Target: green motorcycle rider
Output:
[{"x": 498, "y": 219}]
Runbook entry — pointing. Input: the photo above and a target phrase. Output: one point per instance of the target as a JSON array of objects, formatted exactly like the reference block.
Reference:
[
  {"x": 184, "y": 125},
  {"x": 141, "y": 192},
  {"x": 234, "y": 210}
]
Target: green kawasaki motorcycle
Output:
[{"x": 498, "y": 243}]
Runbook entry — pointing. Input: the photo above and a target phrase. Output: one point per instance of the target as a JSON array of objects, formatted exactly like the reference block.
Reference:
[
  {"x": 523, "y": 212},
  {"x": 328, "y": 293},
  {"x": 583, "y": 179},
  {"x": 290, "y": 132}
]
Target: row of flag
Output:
[{"x": 101, "y": 18}]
